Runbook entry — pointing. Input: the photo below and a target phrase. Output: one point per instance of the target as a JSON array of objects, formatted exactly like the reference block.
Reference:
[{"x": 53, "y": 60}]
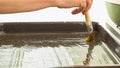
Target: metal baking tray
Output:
[{"x": 55, "y": 44}]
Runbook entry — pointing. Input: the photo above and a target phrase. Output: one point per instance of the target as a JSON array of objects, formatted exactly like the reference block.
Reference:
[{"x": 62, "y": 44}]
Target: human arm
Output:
[{"x": 14, "y": 6}]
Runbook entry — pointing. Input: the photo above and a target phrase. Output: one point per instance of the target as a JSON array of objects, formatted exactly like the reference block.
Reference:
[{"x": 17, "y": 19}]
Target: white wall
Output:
[{"x": 97, "y": 13}]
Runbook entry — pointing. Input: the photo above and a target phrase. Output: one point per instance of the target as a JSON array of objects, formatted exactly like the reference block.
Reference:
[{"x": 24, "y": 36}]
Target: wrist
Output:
[
  {"x": 47, "y": 3},
  {"x": 52, "y": 3},
  {"x": 67, "y": 3}
]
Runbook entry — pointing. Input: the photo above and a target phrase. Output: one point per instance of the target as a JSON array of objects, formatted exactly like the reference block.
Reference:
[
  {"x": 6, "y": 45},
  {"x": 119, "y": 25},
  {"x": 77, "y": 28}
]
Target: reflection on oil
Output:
[
  {"x": 89, "y": 54},
  {"x": 51, "y": 53}
]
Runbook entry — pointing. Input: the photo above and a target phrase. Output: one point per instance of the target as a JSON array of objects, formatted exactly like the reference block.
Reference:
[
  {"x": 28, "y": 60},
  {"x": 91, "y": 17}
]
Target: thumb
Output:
[{"x": 77, "y": 10}]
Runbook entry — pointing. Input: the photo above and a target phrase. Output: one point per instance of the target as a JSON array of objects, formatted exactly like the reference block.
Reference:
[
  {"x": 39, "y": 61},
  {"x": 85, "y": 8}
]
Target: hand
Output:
[
  {"x": 84, "y": 8},
  {"x": 84, "y": 5}
]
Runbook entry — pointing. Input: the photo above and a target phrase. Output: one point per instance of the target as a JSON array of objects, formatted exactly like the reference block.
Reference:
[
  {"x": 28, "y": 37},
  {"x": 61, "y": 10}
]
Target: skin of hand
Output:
[
  {"x": 15, "y": 6},
  {"x": 84, "y": 8}
]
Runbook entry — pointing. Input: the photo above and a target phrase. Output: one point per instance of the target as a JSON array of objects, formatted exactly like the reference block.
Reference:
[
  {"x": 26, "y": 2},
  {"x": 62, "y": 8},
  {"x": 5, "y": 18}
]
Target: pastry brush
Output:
[{"x": 89, "y": 28}]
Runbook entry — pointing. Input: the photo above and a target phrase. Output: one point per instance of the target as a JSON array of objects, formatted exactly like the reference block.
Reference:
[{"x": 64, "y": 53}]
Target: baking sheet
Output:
[
  {"x": 62, "y": 44},
  {"x": 62, "y": 55}
]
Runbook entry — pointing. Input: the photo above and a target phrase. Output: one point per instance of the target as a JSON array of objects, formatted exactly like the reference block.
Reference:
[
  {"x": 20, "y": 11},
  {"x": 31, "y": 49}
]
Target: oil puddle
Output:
[{"x": 52, "y": 53}]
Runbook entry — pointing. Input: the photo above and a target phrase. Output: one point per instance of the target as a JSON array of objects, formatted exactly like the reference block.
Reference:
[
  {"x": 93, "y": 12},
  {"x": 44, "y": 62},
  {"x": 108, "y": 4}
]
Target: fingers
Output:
[
  {"x": 85, "y": 6},
  {"x": 81, "y": 8},
  {"x": 77, "y": 10},
  {"x": 88, "y": 6}
]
